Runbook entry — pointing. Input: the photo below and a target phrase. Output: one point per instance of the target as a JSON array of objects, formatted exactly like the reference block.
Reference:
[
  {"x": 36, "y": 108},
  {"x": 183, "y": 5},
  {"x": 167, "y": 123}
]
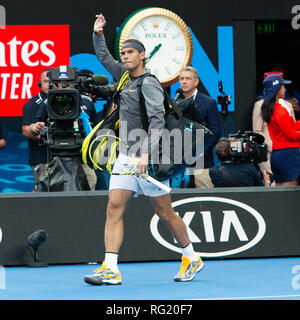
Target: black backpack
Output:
[{"x": 177, "y": 116}]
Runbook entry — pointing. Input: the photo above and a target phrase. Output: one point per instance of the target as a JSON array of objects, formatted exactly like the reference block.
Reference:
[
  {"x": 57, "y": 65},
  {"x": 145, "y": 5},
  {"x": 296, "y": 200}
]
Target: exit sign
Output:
[{"x": 264, "y": 28}]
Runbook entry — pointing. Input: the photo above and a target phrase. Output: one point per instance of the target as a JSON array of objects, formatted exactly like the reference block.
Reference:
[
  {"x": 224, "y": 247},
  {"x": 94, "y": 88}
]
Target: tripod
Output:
[
  {"x": 224, "y": 100},
  {"x": 64, "y": 170},
  {"x": 224, "y": 113}
]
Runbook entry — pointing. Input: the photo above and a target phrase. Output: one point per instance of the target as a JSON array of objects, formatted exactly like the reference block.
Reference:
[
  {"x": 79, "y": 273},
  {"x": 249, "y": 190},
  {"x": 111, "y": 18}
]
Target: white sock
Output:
[
  {"x": 189, "y": 252},
  {"x": 111, "y": 260}
]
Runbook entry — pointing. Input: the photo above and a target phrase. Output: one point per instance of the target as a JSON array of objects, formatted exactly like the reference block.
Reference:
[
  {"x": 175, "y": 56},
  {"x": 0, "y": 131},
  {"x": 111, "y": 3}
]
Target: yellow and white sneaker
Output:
[
  {"x": 188, "y": 269},
  {"x": 103, "y": 275}
]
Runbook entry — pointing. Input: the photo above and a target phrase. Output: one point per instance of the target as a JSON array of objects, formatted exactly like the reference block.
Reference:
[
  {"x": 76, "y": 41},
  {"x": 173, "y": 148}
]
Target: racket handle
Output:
[{"x": 158, "y": 184}]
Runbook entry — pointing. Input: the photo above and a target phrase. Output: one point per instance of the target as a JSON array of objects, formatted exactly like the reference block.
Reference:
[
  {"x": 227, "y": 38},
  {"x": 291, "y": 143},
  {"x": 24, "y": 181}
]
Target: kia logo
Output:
[{"x": 216, "y": 226}]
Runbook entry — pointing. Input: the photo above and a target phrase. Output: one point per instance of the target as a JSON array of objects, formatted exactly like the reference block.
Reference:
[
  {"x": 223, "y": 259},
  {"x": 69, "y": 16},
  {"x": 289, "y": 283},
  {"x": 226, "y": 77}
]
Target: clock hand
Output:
[{"x": 154, "y": 51}]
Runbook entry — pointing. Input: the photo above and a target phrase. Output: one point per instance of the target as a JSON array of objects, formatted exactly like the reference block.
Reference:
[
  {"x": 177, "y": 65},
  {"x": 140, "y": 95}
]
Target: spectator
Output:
[{"x": 284, "y": 132}]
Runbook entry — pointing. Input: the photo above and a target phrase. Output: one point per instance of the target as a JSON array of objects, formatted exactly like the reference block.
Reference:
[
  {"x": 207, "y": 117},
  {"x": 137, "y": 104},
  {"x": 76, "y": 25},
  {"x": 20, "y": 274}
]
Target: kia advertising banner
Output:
[
  {"x": 217, "y": 226},
  {"x": 25, "y": 51},
  {"x": 235, "y": 223}
]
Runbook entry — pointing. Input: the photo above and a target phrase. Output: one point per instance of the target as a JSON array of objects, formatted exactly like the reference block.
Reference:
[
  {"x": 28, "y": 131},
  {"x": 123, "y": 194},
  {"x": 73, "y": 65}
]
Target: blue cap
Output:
[{"x": 272, "y": 85}]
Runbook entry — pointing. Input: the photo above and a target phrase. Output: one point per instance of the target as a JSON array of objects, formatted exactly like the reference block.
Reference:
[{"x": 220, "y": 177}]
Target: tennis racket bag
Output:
[{"x": 98, "y": 150}]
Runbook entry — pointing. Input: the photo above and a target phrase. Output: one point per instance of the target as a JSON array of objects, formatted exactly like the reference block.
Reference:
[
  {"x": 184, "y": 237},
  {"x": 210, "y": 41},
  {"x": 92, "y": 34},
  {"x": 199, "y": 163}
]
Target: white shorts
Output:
[{"x": 132, "y": 182}]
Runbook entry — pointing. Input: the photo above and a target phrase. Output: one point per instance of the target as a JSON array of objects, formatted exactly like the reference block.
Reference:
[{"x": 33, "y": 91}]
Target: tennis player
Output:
[{"x": 125, "y": 187}]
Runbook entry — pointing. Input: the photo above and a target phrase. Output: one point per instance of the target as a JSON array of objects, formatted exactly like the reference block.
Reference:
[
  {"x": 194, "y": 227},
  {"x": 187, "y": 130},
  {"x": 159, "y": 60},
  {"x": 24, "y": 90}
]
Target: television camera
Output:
[
  {"x": 65, "y": 131},
  {"x": 248, "y": 147},
  {"x": 95, "y": 86}
]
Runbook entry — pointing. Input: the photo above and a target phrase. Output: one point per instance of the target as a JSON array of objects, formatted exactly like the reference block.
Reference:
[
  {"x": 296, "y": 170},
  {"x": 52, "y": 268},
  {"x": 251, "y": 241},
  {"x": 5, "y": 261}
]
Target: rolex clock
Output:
[{"x": 167, "y": 40}]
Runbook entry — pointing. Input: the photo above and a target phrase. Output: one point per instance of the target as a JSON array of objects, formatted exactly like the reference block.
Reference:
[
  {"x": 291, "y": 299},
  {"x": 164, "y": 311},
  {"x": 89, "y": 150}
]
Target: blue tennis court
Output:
[{"x": 245, "y": 279}]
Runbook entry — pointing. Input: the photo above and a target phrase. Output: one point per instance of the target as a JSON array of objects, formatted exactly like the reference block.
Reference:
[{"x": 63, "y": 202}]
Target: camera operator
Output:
[
  {"x": 233, "y": 173},
  {"x": 37, "y": 153},
  {"x": 86, "y": 105}
]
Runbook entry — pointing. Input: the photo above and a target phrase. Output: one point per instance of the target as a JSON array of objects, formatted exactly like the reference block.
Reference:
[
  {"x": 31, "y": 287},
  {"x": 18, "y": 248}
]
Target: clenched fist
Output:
[{"x": 99, "y": 23}]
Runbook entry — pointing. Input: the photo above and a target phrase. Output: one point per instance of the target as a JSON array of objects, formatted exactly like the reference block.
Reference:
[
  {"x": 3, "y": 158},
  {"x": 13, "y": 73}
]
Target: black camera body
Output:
[
  {"x": 63, "y": 73},
  {"x": 94, "y": 86},
  {"x": 85, "y": 81},
  {"x": 248, "y": 147},
  {"x": 63, "y": 103},
  {"x": 64, "y": 141},
  {"x": 65, "y": 132}
]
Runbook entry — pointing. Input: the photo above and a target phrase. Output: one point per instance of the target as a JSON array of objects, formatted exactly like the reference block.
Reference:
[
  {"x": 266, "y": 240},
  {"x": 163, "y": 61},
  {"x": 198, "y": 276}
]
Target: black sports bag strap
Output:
[
  {"x": 168, "y": 103},
  {"x": 117, "y": 93},
  {"x": 143, "y": 111}
]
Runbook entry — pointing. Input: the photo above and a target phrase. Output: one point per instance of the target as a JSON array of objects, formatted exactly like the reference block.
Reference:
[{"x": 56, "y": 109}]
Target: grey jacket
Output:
[{"x": 130, "y": 117}]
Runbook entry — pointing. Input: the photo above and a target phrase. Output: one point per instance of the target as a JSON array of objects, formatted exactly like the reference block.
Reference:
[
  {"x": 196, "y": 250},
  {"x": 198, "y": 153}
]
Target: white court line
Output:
[{"x": 258, "y": 297}]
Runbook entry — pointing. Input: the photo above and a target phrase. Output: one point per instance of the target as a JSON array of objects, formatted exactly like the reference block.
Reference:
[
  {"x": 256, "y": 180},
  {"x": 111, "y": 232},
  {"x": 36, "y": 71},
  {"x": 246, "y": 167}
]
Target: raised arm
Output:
[{"x": 113, "y": 66}]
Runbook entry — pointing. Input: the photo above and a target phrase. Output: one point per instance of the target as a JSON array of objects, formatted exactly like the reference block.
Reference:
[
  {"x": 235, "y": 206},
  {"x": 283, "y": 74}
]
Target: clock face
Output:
[{"x": 166, "y": 38}]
